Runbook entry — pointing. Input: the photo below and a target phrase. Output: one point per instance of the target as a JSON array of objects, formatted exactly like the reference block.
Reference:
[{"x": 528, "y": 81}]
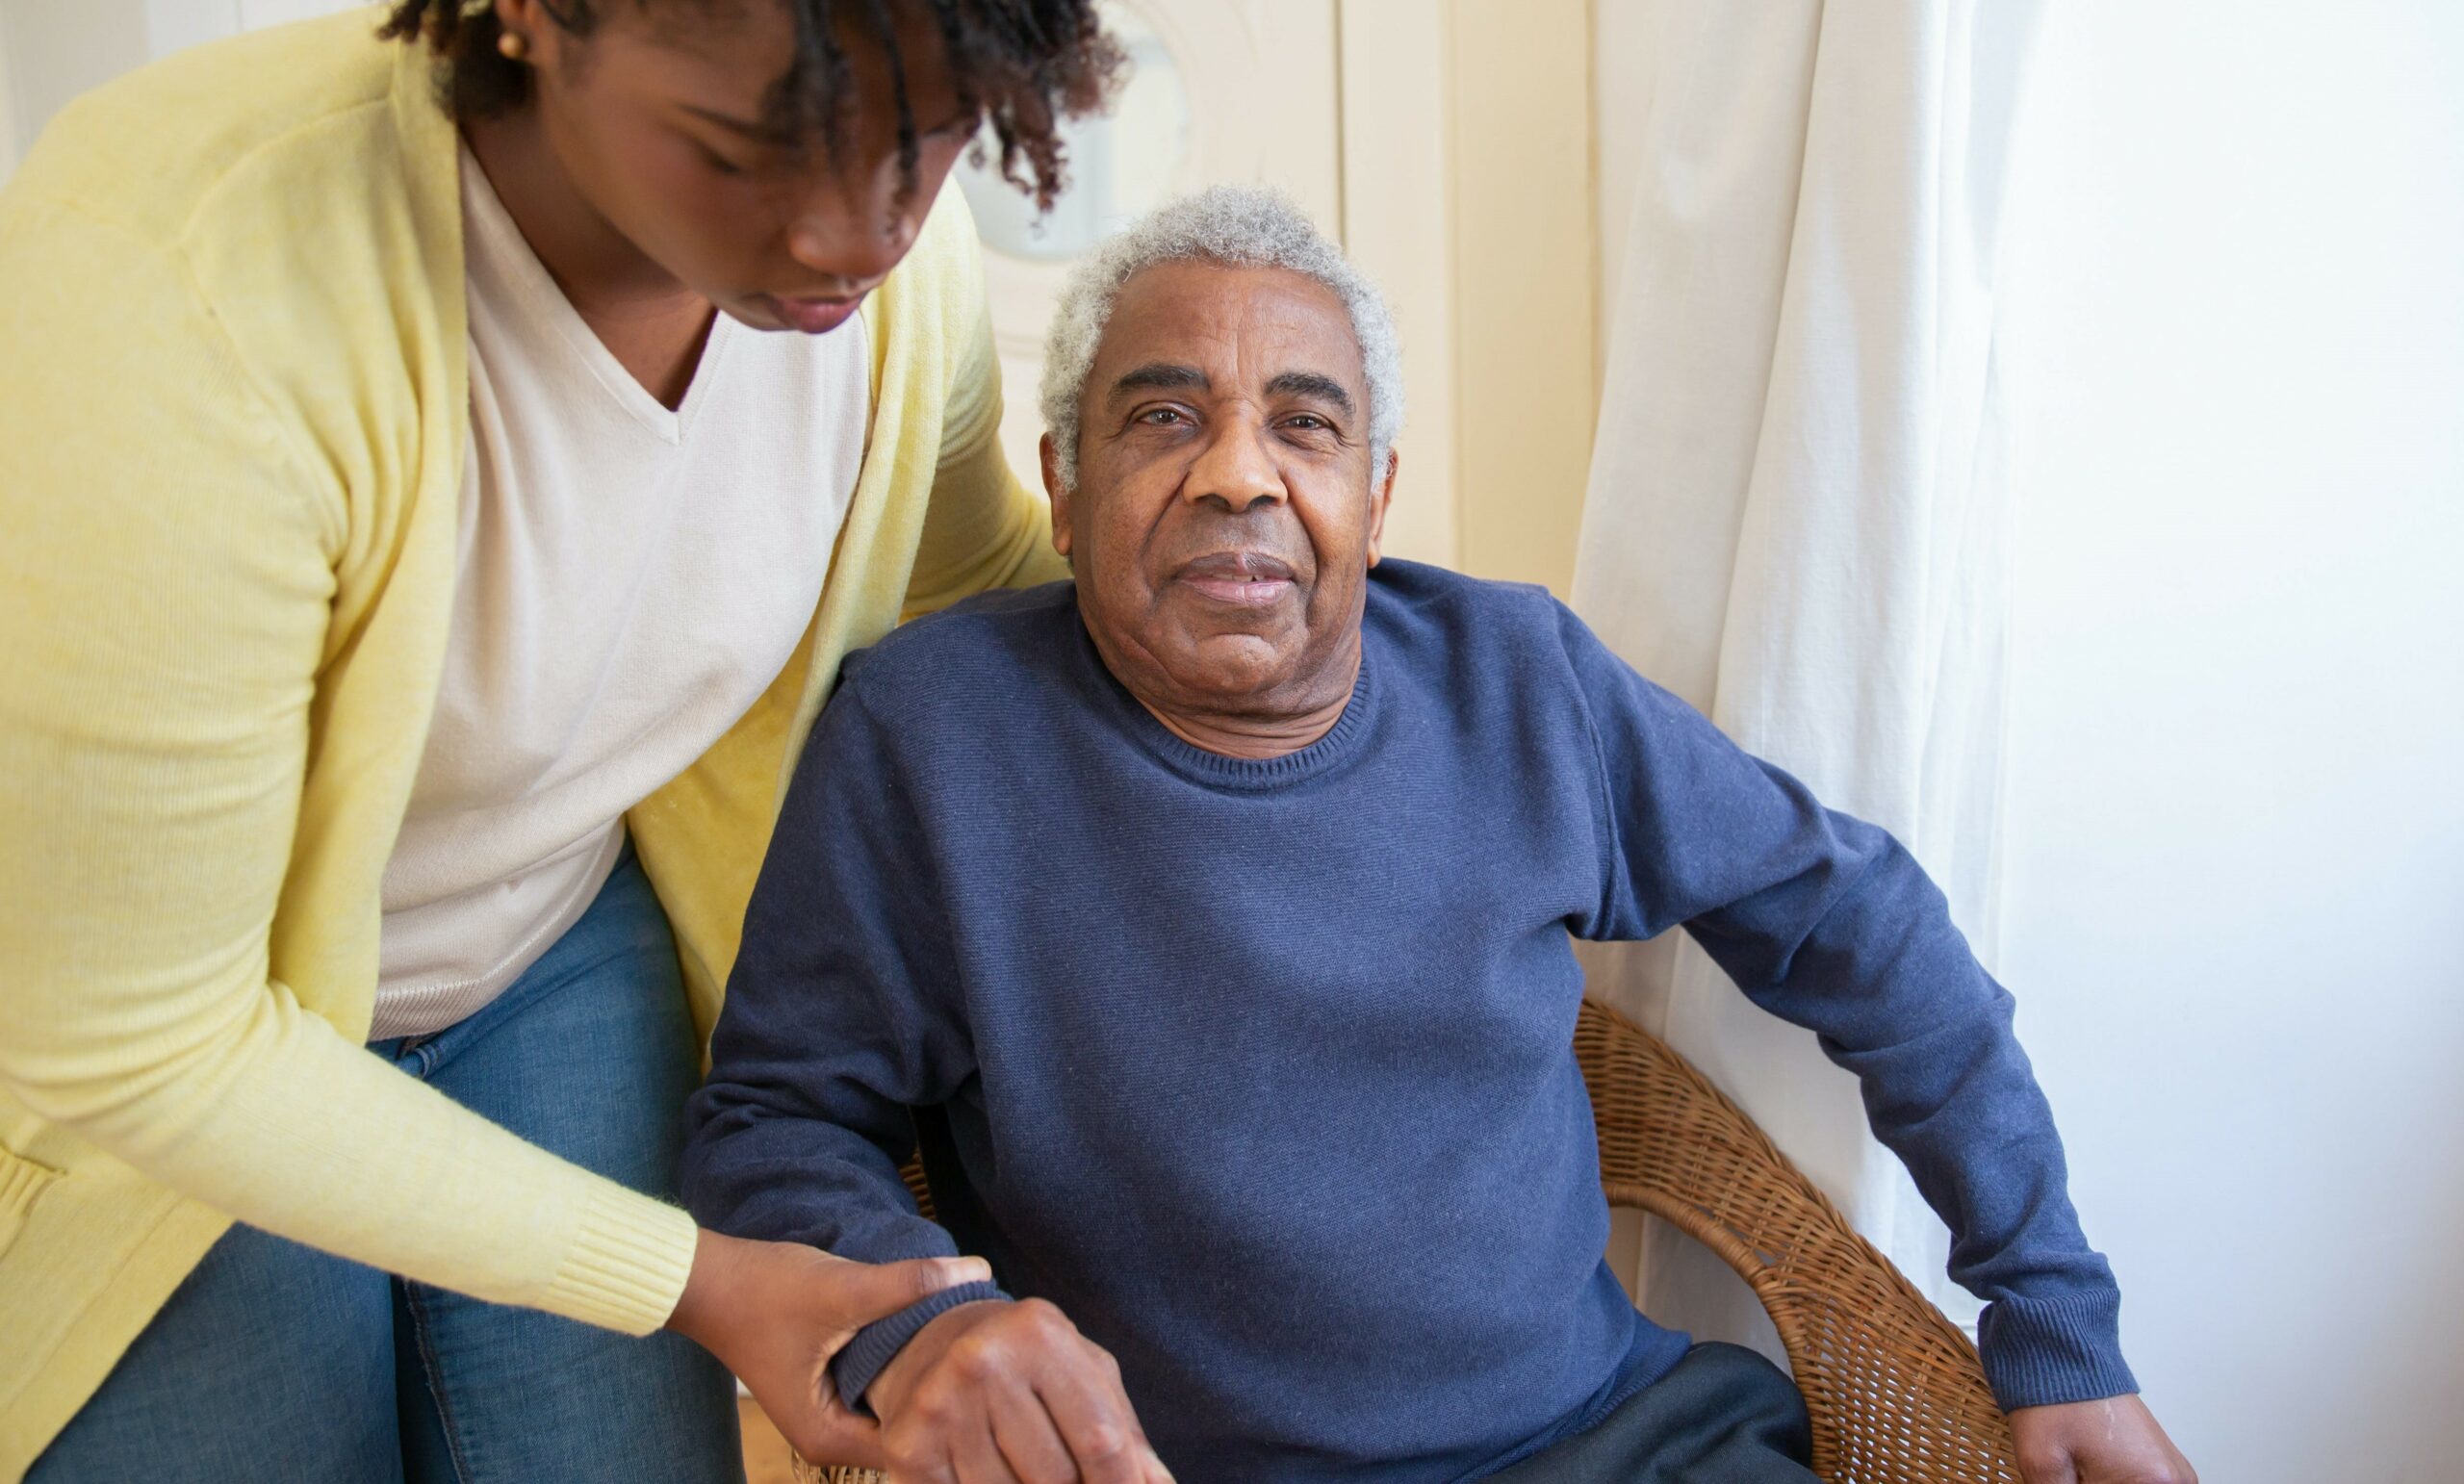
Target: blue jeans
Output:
[{"x": 273, "y": 1361}]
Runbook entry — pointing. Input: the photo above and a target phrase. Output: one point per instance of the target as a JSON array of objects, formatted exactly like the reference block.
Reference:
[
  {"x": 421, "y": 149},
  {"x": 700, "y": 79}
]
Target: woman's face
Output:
[{"x": 658, "y": 116}]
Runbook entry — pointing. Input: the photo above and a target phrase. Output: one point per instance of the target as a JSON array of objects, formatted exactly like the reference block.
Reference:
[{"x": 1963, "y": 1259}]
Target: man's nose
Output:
[{"x": 1234, "y": 469}]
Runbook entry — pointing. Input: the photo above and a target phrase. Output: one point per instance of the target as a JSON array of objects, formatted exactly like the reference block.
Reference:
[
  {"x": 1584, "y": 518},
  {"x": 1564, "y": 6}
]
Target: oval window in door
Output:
[{"x": 1119, "y": 166}]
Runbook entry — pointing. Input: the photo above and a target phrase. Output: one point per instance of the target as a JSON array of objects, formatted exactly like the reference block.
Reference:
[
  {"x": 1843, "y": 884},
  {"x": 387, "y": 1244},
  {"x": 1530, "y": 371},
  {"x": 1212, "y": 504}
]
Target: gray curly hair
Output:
[{"x": 1247, "y": 227}]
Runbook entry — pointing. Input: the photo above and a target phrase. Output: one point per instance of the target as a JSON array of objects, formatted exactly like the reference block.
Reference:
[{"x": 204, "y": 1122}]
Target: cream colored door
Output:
[{"x": 1219, "y": 91}]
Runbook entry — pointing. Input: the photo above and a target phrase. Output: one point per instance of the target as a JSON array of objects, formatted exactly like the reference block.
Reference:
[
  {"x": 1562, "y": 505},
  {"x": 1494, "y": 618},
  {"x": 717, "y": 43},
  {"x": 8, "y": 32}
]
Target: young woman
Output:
[{"x": 443, "y": 469}]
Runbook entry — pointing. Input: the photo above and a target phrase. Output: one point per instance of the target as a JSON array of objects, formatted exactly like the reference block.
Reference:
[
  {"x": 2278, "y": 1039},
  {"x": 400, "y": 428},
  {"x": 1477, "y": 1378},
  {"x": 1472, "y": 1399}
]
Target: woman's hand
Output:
[
  {"x": 1004, "y": 1392},
  {"x": 775, "y": 1312},
  {"x": 2115, "y": 1441}
]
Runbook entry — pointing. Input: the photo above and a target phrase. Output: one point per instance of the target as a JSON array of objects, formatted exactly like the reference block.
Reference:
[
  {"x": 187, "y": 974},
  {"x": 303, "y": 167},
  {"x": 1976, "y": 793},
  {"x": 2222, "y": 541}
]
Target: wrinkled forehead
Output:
[{"x": 1243, "y": 325}]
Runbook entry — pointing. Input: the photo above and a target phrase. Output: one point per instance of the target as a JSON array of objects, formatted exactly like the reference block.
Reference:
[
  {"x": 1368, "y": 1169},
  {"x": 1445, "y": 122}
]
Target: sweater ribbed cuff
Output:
[
  {"x": 2041, "y": 1352},
  {"x": 627, "y": 1267},
  {"x": 855, "y": 1367}
]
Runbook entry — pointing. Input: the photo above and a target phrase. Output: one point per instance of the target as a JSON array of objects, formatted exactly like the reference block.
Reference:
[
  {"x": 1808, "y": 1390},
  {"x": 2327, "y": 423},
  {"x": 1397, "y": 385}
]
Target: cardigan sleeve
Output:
[
  {"x": 166, "y": 587},
  {"x": 983, "y": 527}
]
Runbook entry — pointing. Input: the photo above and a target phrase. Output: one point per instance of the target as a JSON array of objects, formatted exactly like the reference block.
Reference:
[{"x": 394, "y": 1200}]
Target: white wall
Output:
[
  {"x": 9, "y": 147},
  {"x": 52, "y": 50},
  {"x": 2235, "y": 310}
]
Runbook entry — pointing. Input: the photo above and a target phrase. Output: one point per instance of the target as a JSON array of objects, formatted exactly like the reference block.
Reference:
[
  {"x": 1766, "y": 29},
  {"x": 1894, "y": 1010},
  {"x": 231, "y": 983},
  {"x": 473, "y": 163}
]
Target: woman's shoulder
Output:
[
  {"x": 262, "y": 128},
  {"x": 273, "y": 223}
]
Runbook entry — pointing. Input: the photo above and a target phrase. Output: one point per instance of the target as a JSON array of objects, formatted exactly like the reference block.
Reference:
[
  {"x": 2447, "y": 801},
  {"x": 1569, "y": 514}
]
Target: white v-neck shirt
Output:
[{"x": 630, "y": 580}]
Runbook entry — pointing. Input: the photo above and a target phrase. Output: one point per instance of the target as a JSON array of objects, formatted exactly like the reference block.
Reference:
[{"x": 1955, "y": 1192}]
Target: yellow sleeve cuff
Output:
[{"x": 627, "y": 1268}]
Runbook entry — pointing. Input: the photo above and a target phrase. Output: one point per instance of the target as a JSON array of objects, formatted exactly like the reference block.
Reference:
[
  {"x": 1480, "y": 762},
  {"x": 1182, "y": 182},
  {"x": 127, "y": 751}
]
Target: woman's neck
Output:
[{"x": 654, "y": 326}]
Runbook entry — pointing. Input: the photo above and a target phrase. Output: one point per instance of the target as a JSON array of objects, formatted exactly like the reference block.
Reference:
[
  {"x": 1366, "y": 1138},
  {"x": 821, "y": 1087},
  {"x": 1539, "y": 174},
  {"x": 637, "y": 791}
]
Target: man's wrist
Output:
[
  {"x": 2049, "y": 1351},
  {"x": 898, "y": 1375},
  {"x": 859, "y": 1369}
]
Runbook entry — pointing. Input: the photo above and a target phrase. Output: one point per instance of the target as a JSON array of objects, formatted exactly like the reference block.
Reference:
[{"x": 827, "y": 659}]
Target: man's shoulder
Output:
[
  {"x": 1006, "y": 640},
  {"x": 1462, "y": 614},
  {"x": 1427, "y": 582}
]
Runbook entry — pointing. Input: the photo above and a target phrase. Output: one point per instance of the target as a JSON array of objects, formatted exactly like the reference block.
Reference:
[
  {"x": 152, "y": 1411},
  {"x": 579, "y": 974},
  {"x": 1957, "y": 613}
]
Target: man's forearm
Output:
[{"x": 1898, "y": 999}]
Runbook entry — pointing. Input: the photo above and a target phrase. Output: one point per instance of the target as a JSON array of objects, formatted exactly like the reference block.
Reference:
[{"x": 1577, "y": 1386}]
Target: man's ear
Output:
[
  {"x": 1381, "y": 495},
  {"x": 1049, "y": 456}
]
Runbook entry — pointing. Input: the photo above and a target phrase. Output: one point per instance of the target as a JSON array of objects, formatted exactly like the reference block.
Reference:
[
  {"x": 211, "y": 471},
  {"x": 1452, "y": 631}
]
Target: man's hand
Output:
[
  {"x": 775, "y": 1312},
  {"x": 2115, "y": 1441},
  {"x": 1002, "y": 1392}
]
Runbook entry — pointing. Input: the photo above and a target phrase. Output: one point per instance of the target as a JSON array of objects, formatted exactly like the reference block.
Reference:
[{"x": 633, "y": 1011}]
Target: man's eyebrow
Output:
[
  {"x": 1160, "y": 377},
  {"x": 1315, "y": 384}
]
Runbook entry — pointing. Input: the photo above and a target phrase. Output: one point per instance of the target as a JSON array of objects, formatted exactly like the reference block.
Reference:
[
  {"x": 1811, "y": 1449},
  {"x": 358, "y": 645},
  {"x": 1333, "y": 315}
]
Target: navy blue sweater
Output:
[{"x": 1262, "y": 1070}]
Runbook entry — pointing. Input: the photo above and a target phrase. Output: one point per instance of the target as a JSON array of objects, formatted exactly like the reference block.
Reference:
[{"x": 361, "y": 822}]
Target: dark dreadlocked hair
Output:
[{"x": 1026, "y": 64}]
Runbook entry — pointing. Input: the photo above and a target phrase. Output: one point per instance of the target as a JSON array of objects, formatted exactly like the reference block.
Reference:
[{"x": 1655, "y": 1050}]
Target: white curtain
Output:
[{"x": 1797, "y": 514}]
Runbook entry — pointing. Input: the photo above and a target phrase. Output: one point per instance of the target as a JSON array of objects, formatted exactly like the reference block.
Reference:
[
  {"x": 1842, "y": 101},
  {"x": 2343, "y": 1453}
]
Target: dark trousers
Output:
[{"x": 1724, "y": 1415}]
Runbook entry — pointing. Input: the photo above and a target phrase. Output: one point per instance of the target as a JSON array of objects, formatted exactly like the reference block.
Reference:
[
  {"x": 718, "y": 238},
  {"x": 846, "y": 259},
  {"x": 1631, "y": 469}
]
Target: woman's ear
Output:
[{"x": 1049, "y": 457}]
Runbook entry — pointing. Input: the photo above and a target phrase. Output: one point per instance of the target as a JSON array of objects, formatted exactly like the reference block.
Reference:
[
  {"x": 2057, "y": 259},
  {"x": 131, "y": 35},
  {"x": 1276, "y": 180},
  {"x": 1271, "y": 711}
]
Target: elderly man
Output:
[{"x": 1210, "y": 917}]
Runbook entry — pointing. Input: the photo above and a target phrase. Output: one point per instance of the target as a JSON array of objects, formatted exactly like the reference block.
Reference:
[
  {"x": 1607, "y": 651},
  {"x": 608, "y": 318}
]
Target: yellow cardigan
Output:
[{"x": 233, "y": 407}]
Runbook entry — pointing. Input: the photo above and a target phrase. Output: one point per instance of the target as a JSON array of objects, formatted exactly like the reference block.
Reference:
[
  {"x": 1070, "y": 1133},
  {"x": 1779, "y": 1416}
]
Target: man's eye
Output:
[
  {"x": 1159, "y": 417},
  {"x": 1308, "y": 423}
]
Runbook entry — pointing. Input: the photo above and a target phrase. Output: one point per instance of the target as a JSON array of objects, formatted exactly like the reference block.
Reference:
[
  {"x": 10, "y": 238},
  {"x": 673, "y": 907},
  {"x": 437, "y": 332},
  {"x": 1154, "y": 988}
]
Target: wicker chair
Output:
[{"x": 1894, "y": 1389}]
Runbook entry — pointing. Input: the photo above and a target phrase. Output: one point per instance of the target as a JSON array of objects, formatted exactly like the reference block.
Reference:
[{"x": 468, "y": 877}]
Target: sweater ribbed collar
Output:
[{"x": 1216, "y": 770}]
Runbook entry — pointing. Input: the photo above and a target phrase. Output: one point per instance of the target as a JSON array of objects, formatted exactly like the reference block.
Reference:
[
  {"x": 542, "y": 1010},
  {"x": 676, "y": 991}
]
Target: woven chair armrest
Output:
[{"x": 1895, "y": 1390}]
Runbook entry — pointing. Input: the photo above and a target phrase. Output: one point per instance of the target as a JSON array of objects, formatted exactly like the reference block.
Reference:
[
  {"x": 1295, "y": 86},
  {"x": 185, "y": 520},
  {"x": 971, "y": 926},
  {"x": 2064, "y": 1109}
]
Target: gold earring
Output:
[{"x": 514, "y": 45}]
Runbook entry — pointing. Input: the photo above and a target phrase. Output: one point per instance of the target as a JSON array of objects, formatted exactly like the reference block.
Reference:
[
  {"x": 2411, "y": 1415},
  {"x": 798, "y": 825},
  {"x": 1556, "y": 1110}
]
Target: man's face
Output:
[{"x": 1225, "y": 517}]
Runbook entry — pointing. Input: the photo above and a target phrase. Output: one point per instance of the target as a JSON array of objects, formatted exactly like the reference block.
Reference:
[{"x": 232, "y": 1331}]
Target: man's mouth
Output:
[{"x": 1246, "y": 579}]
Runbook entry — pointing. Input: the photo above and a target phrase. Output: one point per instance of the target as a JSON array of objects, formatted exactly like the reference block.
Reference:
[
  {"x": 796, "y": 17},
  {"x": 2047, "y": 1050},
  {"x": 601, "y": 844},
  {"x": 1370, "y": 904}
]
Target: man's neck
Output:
[{"x": 1266, "y": 732}]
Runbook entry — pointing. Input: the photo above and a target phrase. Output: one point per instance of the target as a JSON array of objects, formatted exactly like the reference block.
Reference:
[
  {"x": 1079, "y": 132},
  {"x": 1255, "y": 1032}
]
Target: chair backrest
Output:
[{"x": 1895, "y": 1390}]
